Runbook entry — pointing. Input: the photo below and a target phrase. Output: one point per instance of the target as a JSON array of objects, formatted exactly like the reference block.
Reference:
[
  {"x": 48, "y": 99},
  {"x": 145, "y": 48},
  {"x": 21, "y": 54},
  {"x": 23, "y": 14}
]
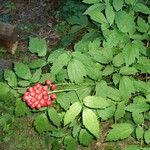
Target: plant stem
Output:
[{"x": 59, "y": 91}]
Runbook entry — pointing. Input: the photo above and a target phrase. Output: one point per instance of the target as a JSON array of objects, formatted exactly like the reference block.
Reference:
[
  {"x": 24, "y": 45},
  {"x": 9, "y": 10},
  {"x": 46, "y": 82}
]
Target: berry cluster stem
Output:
[{"x": 59, "y": 91}]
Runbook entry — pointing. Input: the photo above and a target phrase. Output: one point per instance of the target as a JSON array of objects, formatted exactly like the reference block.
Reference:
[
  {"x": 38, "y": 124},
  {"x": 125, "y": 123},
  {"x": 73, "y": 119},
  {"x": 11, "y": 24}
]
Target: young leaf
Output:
[
  {"x": 147, "y": 136},
  {"x": 76, "y": 71},
  {"x": 118, "y": 60},
  {"x": 36, "y": 76},
  {"x": 108, "y": 70},
  {"x": 21, "y": 108},
  {"x": 116, "y": 78},
  {"x": 73, "y": 111},
  {"x": 130, "y": 53},
  {"x": 70, "y": 143},
  {"x": 38, "y": 46},
  {"x": 119, "y": 131},
  {"x": 139, "y": 7},
  {"x": 120, "y": 111},
  {"x": 85, "y": 138},
  {"x": 89, "y": 121},
  {"x": 54, "y": 116},
  {"x": 131, "y": 2},
  {"x": 128, "y": 70},
  {"x": 10, "y": 77},
  {"x": 110, "y": 15},
  {"x": 139, "y": 132},
  {"x": 38, "y": 63},
  {"x": 118, "y": 4},
  {"x": 22, "y": 71},
  {"x": 96, "y": 102},
  {"x": 41, "y": 123},
  {"x": 142, "y": 25},
  {"x": 23, "y": 83},
  {"x": 138, "y": 118},
  {"x": 59, "y": 63}
]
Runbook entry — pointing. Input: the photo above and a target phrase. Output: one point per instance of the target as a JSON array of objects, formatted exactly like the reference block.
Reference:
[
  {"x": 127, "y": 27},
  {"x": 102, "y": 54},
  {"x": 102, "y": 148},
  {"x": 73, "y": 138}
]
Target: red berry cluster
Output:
[{"x": 37, "y": 96}]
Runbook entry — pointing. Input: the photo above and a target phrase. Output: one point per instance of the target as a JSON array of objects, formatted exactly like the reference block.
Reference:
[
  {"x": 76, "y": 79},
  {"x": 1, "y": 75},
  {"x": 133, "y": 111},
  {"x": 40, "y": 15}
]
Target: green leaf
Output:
[
  {"x": 110, "y": 15},
  {"x": 130, "y": 53},
  {"x": 76, "y": 130},
  {"x": 147, "y": 136},
  {"x": 23, "y": 83},
  {"x": 131, "y": 2},
  {"x": 54, "y": 116},
  {"x": 85, "y": 138},
  {"x": 38, "y": 63},
  {"x": 41, "y": 123},
  {"x": 38, "y": 46},
  {"x": 139, "y": 7},
  {"x": 118, "y": 60},
  {"x": 95, "y": 44},
  {"x": 106, "y": 113},
  {"x": 128, "y": 70},
  {"x": 121, "y": 17},
  {"x": 70, "y": 143},
  {"x": 118, "y": 4},
  {"x": 142, "y": 25},
  {"x": 108, "y": 70},
  {"x": 22, "y": 71},
  {"x": 132, "y": 147},
  {"x": 126, "y": 87},
  {"x": 91, "y": 1},
  {"x": 36, "y": 76},
  {"x": 76, "y": 71},
  {"x": 21, "y": 108},
  {"x": 119, "y": 131},
  {"x": 10, "y": 77},
  {"x": 116, "y": 78},
  {"x": 120, "y": 111},
  {"x": 4, "y": 89},
  {"x": 138, "y": 118},
  {"x": 96, "y": 102},
  {"x": 59, "y": 63},
  {"x": 73, "y": 111},
  {"x": 139, "y": 132},
  {"x": 89, "y": 121},
  {"x": 46, "y": 76},
  {"x": 138, "y": 107}
]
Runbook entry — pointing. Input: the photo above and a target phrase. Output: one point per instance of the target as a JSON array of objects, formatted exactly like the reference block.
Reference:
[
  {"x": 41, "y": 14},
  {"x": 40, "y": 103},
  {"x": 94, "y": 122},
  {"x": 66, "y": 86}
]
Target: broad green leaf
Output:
[
  {"x": 82, "y": 46},
  {"x": 59, "y": 133},
  {"x": 23, "y": 83},
  {"x": 91, "y": 122},
  {"x": 119, "y": 131},
  {"x": 120, "y": 111},
  {"x": 95, "y": 44},
  {"x": 73, "y": 111},
  {"x": 41, "y": 123},
  {"x": 147, "y": 136},
  {"x": 126, "y": 87},
  {"x": 132, "y": 147},
  {"x": 142, "y": 25},
  {"x": 139, "y": 132},
  {"x": 10, "y": 77},
  {"x": 91, "y": 1},
  {"x": 130, "y": 53},
  {"x": 22, "y": 71},
  {"x": 21, "y": 108},
  {"x": 85, "y": 138},
  {"x": 76, "y": 71},
  {"x": 128, "y": 70},
  {"x": 131, "y": 2},
  {"x": 138, "y": 107},
  {"x": 59, "y": 63},
  {"x": 4, "y": 89},
  {"x": 55, "y": 54},
  {"x": 36, "y": 76},
  {"x": 96, "y": 102},
  {"x": 54, "y": 116},
  {"x": 108, "y": 70},
  {"x": 106, "y": 113},
  {"x": 116, "y": 78},
  {"x": 46, "y": 76},
  {"x": 118, "y": 60},
  {"x": 38, "y": 46},
  {"x": 70, "y": 143},
  {"x": 76, "y": 130},
  {"x": 139, "y": 7},
  {"x": 38, "y": 63},
  {"x": 110, "y": 14},
  {"x": 138, "y": 118},
  {"x": 118, "y": 4},
  {"x": 121, "y": 17}
]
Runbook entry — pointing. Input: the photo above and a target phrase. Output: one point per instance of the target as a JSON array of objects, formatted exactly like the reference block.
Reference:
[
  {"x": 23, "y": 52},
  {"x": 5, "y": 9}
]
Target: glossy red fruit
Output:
[
  {"x": 31, "y": 89},
  {"x": 44, "y": 93},
  {"x": 38, "y": 85},
  {"x": 49, "y": 103},
  {"x": 42, "y": 102},
  {"x": 45, "y": 88},
  {"x": 53, "y": 96},
  {"x": 38, "y": 106},
  {"x": 54, "y": 87},
  {"x": 48, "y": 82}
]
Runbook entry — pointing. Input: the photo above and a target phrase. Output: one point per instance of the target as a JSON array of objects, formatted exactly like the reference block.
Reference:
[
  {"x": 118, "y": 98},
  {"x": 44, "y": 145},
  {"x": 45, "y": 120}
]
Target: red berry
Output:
[
  {"x": 54, "y": 87},
  {"x": 48, "y": 82},
  {"x": 38, "y": 106},
  {"x": 53, "y": 96},
  {"x": 44, "y": 92},
  {"x": 42, "y": 102},
  {"x": 49, "y": 103},
  {"x": 45, "y": 97},
  {"x": 38, "y": 85},
  {"x": 45, "y": 88},
  {"x": 31, "y": 89}
]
